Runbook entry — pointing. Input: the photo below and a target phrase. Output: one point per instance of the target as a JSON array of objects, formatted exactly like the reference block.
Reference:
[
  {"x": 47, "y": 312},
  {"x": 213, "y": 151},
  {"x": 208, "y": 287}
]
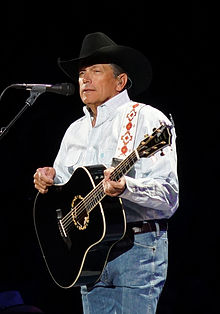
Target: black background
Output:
[{"x": 181, "y": 42}]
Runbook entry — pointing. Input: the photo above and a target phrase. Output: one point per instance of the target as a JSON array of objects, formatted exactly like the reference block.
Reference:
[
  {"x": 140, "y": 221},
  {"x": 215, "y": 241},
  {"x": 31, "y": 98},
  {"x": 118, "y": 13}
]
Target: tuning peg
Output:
[{"x": 146, "y": 135}]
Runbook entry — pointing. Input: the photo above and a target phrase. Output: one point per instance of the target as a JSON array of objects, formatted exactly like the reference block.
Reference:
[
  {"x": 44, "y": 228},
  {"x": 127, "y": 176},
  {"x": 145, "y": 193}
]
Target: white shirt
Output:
[{"x": 152, "y": 185}]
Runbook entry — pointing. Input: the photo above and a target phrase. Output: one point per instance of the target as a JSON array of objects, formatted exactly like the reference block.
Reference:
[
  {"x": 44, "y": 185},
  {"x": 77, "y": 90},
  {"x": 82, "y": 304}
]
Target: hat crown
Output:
[
  {"x": 94, "y": 41},
  {"x": 99, "y": 48}
]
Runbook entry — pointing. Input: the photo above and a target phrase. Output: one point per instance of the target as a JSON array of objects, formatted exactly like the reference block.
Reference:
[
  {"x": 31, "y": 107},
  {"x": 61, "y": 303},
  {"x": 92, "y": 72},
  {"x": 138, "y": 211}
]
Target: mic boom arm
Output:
[
  {"x": 36, "y": 90},
  {"x": 29, "y": 102}
]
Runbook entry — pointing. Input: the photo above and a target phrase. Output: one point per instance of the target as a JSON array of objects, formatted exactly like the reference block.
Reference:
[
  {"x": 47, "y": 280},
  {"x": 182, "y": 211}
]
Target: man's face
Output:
[{"x": 97, "y": 84}]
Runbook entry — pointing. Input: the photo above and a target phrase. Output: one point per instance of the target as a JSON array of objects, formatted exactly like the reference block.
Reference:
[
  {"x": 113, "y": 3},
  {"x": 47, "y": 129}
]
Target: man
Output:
[{"x": 136, "y": 270}]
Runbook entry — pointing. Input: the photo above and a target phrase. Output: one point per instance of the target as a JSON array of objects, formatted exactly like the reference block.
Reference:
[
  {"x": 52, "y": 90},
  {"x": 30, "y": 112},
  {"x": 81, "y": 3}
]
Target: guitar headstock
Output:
[{"x": 159, "y": 139}]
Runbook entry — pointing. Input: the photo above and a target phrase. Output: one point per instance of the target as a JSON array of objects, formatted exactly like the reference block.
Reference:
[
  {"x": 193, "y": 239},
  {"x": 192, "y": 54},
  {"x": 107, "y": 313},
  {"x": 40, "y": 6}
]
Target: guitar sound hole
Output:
[{"x": 79, "y": 213}]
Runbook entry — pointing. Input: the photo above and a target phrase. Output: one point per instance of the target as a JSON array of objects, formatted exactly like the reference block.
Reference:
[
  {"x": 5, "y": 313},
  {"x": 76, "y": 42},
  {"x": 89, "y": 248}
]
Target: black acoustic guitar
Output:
[{"x": 77, "y": 224}]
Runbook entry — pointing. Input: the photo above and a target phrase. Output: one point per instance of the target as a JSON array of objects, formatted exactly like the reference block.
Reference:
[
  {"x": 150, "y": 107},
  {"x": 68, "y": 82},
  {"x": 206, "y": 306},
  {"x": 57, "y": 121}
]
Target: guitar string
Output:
[
  {"x": 96, "y": 194},
  {"x": 67, "y": 220},
  {"x": 81, "y": 206}
]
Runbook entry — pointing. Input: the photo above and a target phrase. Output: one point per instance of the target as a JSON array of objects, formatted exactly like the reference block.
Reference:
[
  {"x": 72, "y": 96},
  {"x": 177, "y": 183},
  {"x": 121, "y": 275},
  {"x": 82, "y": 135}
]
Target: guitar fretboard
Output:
[{"x": 97, "y": 194}]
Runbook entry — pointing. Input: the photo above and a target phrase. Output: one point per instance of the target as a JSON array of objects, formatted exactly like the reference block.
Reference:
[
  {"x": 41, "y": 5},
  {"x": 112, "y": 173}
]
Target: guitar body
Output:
[
  {"x": 77, "y": 224},
  {"x": 78, "y": 255}
]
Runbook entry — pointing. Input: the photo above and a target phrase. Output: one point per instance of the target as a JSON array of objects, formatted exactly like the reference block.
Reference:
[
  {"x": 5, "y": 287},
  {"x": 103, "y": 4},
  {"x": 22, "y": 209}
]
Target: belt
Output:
[{"x": 148, "y": 226}]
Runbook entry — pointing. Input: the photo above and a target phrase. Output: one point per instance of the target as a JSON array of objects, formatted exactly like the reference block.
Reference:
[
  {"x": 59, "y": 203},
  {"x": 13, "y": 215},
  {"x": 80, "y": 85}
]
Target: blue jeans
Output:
[{"x": 133, "y": 278}]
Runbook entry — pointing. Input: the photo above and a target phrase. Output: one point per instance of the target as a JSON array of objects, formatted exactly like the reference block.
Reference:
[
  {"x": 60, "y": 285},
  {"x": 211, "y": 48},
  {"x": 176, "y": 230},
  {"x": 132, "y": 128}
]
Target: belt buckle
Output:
[{"x": 137, "y": 229}]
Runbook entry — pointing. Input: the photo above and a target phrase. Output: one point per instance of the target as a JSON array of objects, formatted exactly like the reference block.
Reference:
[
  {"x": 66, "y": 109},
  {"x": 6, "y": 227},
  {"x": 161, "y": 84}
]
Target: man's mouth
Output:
[{"x": 87, "y": 90}]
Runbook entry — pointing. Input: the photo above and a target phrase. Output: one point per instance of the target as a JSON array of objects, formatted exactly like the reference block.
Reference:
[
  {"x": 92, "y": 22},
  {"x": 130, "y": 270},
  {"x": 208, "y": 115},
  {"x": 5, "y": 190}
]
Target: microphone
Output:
[{"x": 66, "y": 89}]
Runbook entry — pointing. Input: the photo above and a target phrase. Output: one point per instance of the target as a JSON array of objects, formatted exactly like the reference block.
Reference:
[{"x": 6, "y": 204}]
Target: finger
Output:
[
  {"x": 107, "y": 173},
  {"x": 107, "y": 187},
  {"x": 38, "y": 179},
  {"x": 40, "y": 188},
  {"x": 49, "y": 172},
  {"x": 43, "y": 178},
  {"x": 42, "y": 191},
  {"x": 39, "y": 185},
  {"x": 112, "y": 188}
]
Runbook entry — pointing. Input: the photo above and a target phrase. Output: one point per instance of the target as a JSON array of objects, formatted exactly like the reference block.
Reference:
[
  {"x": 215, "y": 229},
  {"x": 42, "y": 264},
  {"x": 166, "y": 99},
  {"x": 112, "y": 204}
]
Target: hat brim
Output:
[{"x": 132, "y": 61}]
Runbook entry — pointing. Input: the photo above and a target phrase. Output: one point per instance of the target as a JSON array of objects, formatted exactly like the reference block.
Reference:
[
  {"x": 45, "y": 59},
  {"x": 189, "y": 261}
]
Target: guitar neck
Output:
[
  {"x": 125, "y": 166},
  {"x": 97, "y": 194},
  {"x": 159, "y": 139}
]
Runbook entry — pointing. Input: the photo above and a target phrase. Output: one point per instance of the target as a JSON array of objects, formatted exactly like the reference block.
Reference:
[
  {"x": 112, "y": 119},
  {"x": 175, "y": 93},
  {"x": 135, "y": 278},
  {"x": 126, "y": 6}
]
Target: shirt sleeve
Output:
[
  {"x": 69, "y": 154},
  {"x": 154, "y": 183},
  {"x": 62, "y": 173},
  {"x": 61, "y": 164}
]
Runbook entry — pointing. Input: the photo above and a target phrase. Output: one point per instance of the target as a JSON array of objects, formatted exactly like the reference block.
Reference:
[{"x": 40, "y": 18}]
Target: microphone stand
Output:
[{"x": 29, "y": 102}]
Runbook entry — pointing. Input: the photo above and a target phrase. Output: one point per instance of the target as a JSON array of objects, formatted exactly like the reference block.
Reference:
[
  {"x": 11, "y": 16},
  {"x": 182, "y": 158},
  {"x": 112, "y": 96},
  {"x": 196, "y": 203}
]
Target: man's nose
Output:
[{"x": 86, "y": 77}]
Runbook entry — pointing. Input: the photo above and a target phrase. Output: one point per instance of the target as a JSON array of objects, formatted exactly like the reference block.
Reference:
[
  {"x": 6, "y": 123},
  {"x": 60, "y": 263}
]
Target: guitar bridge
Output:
[
  {"x": 63, "y": 233},
  {"x": 60, "y": 225}
]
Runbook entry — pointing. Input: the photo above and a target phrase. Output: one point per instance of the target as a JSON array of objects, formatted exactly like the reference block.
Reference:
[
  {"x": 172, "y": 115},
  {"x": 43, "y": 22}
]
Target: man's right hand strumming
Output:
[{"x": 43, "y": 178}]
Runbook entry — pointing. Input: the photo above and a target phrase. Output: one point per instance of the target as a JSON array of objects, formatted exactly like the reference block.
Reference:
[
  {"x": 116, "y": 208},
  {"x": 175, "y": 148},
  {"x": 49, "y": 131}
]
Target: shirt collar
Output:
[
  {"x": 117, "y": 100},
  {"x": 108, "y": 109}
]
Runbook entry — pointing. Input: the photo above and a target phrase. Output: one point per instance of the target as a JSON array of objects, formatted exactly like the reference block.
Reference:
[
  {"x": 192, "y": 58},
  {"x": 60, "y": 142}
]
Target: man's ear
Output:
[{"x": 121, "y": 81}]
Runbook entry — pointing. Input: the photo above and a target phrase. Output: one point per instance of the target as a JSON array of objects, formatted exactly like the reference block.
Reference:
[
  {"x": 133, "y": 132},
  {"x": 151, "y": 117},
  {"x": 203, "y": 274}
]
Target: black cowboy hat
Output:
[{"x": 99, "y": 48}]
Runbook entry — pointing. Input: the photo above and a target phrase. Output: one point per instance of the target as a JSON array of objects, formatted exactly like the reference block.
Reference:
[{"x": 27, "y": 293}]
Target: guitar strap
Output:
[{"x": 128, "y": 131}]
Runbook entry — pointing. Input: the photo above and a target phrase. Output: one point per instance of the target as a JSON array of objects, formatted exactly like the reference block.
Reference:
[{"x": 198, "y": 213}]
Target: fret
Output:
[
  {"x": 97, "y": 194},
  {"x": 94, "y": 197},
  {"x": 124, "y": 166}
]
